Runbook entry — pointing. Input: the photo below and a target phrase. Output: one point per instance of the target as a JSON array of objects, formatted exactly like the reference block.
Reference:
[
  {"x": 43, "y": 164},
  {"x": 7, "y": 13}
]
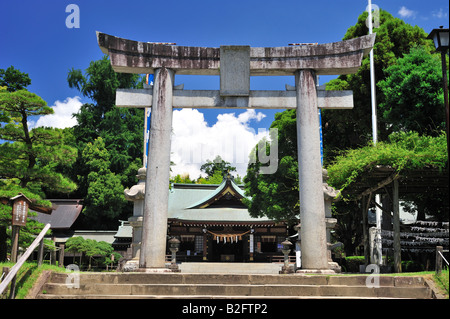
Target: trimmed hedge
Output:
[{"x": 352, "y": 263}]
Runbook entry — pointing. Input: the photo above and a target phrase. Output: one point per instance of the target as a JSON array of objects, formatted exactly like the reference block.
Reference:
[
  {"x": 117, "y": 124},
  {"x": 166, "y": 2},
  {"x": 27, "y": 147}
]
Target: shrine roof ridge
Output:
[{"x": 129, "y": 56}]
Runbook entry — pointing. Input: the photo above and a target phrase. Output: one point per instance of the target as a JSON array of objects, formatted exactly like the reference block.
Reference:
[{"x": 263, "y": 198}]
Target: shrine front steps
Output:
[
  {"x": 229, "y": 286},
  {"x": 230, "y": 268}
]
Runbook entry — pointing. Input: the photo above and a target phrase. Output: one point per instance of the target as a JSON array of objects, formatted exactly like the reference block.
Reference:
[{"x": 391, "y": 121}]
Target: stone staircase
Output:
[
  {"x": 231, "y": 268},
  {"x": 166, "y": 285}
]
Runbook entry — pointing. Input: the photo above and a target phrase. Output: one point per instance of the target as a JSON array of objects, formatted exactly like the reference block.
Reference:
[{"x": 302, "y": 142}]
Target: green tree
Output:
[
  {"x": 182, "y": 179},
  {"x": 104, "y": 200},
  {"x": 28, "y": 158},
  {"x": 218, "y": 164},
  {"x": 121, "y": 129},
  {"x": 215, "y": 178},
  {"x": 405, "y": 152},
  {"x": 98, "y": 251},
  {"x": 276, "y": 195},
  {"x": 352, "y": 129},
  {"x": 13, "y": 79},
  {"x": 76, "y": 245},
  {"x": 348, "y": 228},
  {"x": 99, "y": 83},
  {"x": 32, "y": 155},
  {"x": 413, "y": 94}
]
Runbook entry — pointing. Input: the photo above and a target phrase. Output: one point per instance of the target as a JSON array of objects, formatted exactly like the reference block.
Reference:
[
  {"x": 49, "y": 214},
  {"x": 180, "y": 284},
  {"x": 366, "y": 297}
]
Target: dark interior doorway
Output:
[{"x": 227, "y": 252}]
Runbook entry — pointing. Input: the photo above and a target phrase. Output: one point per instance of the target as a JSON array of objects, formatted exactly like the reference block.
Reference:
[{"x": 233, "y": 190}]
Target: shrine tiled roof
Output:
[{"x": 196, "y": 202}]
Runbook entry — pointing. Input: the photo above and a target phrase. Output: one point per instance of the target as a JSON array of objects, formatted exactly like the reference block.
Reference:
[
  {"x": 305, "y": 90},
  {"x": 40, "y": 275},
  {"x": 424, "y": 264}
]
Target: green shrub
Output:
[
  {"x": 411, "y": 266},
  {"x": 352, "y": 263}
]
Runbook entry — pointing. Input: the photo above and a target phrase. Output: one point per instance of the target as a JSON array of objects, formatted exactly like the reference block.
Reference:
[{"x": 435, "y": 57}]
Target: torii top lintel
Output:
[{"x": 129, "y": 56}]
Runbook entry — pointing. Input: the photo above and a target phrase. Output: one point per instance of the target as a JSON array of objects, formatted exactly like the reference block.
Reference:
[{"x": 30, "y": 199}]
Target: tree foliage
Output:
[
  {"x": 218, "y": 164},
  {"x": 32, "y": 155},
  {"x": 216, "y": 178},
  {"x": 98, "y": 251},
  {"x": 276, "y": 195},
  {"x": 404, "y": 150},
  {"x": 215, "y": 170},
  {"x": 104, "y": 199},
  {"x": 121, "y": 131},
  {"x": 13, "y": 79},
  {"x": 30, "y": 160},
  {"x": 401, "y": 53},
  {"x": 182, "y": 179},
  {"x": 413, "y": 94},
  {"x": 352, "y": 129}
]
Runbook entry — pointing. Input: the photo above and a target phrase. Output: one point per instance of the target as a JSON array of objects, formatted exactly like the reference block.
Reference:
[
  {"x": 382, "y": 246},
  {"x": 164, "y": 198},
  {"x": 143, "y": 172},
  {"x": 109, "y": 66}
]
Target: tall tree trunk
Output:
[{"x": 29, "y": 142}]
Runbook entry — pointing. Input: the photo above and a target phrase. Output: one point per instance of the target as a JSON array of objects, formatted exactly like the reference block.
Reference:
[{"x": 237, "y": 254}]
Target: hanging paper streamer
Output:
[{"x": 232, "y": 238}]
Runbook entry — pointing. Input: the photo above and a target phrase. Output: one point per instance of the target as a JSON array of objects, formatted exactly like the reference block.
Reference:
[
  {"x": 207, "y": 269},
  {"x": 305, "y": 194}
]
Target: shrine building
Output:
[{"x": 212, "y": 224}]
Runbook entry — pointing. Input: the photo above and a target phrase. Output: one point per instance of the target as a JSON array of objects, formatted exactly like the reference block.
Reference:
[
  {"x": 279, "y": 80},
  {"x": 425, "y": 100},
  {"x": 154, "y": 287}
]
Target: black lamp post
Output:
[{"x": 440, "y": 38}]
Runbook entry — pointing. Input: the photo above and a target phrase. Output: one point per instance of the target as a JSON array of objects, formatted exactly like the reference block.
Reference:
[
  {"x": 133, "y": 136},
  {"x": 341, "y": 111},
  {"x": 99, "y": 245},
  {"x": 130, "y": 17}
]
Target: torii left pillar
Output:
[{"x": 154, "y": 230}]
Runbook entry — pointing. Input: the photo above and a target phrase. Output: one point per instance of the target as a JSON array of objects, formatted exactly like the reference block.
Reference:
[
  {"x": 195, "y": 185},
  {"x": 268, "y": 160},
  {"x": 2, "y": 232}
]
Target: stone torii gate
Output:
[{"x": 235, "y": 65}]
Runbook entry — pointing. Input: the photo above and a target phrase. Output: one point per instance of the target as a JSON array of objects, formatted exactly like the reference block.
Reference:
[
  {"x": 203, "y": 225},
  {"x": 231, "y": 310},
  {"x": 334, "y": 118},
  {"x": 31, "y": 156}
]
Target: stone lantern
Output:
[
  {"x": 286, "y": 249},
  {"x": 174, "y": 246},
  {"x": 136, "y": 195},
  {"x": 330, "y": 195}
]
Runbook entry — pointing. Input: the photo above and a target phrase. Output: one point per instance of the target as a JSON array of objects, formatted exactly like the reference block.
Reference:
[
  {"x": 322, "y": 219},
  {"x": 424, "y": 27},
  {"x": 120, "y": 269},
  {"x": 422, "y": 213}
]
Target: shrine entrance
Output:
[
  {"x": 228, "y": 244},
  {"x": 227, "y": 252},
  {"x": 235, "y": 65}
]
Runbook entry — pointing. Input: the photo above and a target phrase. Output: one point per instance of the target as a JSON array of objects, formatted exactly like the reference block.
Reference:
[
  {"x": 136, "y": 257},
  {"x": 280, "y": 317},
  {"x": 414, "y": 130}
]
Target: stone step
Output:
[
  {"x": 230, "y": 268},
  {"x": 209, "y": 297},
  {"x": 180, "y": 278},
  {"x": 236, "y": 290},
  {"x": 158, "y": 285}
]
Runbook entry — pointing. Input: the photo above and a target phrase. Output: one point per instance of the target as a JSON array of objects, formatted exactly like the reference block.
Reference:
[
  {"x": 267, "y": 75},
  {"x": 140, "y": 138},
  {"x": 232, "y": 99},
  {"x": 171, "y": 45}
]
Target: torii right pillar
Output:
[{"x": 312, "y": 209}]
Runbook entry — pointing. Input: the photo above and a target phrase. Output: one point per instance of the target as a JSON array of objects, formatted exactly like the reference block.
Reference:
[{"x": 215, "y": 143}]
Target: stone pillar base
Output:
[
  {"x": 174, "y": 268},
  {"x": 131, "y": 265},
  {"x": 153, "y": 270},
  {"x": 288, "y": 270},
  {"x": 316, "y": 271},
  {"x": 334, "y": 266}
]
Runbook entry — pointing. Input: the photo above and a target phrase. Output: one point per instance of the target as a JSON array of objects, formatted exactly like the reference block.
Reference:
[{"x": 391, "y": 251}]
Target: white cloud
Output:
[
  {"x": 194, "y": 141},
  {"x": 440, "y": 14},
  {"x": 62, "y": 116},
  {"x": 404, "y": 12}
]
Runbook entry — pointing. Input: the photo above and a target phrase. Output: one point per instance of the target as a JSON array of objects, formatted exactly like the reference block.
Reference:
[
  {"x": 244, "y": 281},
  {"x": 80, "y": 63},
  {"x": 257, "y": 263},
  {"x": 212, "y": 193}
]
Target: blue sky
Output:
[{"x": 35, "y": 39}]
